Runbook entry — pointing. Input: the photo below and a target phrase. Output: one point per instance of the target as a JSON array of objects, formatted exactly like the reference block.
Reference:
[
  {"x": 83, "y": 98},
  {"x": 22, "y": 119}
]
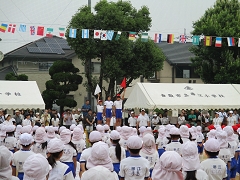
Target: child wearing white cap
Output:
[
  {"x": 175, "y": 144},
  {"x": 77, "y": 140},
  {"x": 106, "y": 135},
  {"x": 231, "y": 120},
  {"x": 132, "y": 120},
  {"x": 60, "y": 171},
  {"x": 10, "y": 140},
  {"x": 184, "y": 133},
  {"x": 160, "y": 143},
  {"x": 20, "y": 156},
  {"x": 200, "y": 141},
  {"x": 40, "y": 144},
  {"x": 149, "y": 151},
  {"x": 50, "y": 133},
  {"x": 3, "y": 134},
  {"x": 125, "y": 134},
  {"x": 116, "y": 152},
  {"x": 134, "y": 167},
  {"x": 191, "y": 163},
  {"x": 213, "y": 166}
]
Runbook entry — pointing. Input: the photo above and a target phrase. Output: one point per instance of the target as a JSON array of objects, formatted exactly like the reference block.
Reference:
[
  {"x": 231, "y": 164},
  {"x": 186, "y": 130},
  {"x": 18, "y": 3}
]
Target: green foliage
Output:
[
  {"x": 64, "y": 78},
  {"x": 119, "y": 58},
  {"x": 218, "y": 65},
  {"x": 13, "y": 77}
]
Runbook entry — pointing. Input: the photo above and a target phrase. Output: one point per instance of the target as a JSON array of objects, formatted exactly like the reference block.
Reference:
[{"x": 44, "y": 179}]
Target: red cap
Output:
[
  {"x": 118, "y": 95},
  {"x": 99, "y": 100},
  {"x": 188, "y": 125},
  {"x": 223, "y": 126},
  {"x": 210, "y": 127},
  {"x": 235, "y": 128}
]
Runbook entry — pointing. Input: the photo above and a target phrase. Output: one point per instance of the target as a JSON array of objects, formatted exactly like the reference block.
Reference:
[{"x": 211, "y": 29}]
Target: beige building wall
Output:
[{"x": 165, "y": 75}]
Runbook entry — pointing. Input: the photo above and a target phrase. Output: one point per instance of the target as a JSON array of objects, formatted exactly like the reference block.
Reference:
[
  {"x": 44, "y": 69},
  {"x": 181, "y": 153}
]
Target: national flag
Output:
[
  {"x": 144, "y": 37},
  {"x": 3, "y": 27},
  {"x": 118, "y": 35},
  {"x": 157, "y": 38},
  {"x": 104, "y": 35},
  {"x": 170, "y": 38},
  {"x": 110, "y": 34},
  {"x": 124, "y": 83},
  {"x": 97, "y": 90},
  {"x": 97, "y": 34},
  {"x": 61, "y": 32},
  {"x": 12, "y": 28},
  {"x": 49, "y": 32},
  {"x": 72, "y": 33},
  {"x": 182, "y": 39},
  {"x": 40, "y": 30},
  {"x": 85, "y": 33},
  {"x": 231, "y": 41},
  {"x": 196, "y": 40},
  {"x": 208, "y": 40},
  {"x": 218, "y": 42},
  {"x": 132, "y": 36},
  {"x": 32, "y": 30},
  {"x": 23, "y": 28},
  {"x": 238, "y": 42}
]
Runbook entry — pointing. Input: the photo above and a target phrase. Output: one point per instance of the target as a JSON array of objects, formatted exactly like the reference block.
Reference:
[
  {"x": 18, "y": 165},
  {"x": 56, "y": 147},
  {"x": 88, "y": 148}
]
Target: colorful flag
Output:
[
  {"x": 182, "y": 39},
  {"x": 72, "y": 33},
  {"x": 40, "y": 30},
  {"x": 85, "y": 33},
  {"x": 208, "y": 40},
  {"x": 218, "y": 42},
  {"x": 97, "y": 90},
  {"x": 110, "y": 34},
  {"x": 104, "y": 35},
  {"x": 132, "y": 36},
  {"x": 118, "y": 35},
  {"x": 144, "y": 37},
  {"x": 124, "y": 83},
  {"x": 157, "y": 38},
  {"x": 231, "y": 41},
  {"x": 12, "y": 28},
  {"x": 32, "y": 30},
  {"x": 49, "y": 32},
  {"x": 23, "y": 28},
  {"x": 61, "y": 32},
  {"x": 170, "y": 38},
  {"x": 97, "y": 34},
  {"x": 3, "y": 27},
  {"x": 238, "y": 42},
  {"x": 196, "y": 40}
]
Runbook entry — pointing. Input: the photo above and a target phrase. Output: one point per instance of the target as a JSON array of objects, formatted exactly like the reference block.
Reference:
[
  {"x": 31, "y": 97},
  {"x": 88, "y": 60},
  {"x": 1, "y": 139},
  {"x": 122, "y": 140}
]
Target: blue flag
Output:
[
  {"x": 23, "y": 28},
  {"x": 110, "y": 34},
  {"x": 85, "y": 33},
  {"x": 72, "y": 33}
]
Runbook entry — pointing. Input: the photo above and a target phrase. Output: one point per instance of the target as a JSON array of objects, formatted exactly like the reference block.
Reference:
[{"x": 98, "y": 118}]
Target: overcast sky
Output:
[{"x": 168, "y": 16}]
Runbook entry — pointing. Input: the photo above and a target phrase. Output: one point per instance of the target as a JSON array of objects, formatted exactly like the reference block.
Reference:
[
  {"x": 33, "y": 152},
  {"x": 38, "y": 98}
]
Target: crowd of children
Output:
[{"x": 127, "y": 154}]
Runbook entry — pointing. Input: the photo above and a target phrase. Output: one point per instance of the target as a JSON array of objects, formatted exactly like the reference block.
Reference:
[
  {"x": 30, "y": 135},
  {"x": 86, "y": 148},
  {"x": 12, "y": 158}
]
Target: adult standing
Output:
[
  {"x": 67, "y": 118},
  {"x": 107, "y": 112},
  {"x": 18, "y": 118},
  {"x": 89, "y": 121},
  {"x": 85, "y": 108},
  {"x": 231, "y": 120},
  {"x": 143, "y": 119},
  {"x": 1, "y": 116},
  {"x": 118, "y": 108},
  {"x": 217, "y": 120},
  {"x": 192, "y": 118}
]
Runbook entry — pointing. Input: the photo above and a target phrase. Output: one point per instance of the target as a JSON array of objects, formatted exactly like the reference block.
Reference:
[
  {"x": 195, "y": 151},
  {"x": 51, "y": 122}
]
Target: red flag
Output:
[
  {"x": 12, "y": 28},
  {"x": 124, "y": 83},
  {"x": 40, "y": 30}
]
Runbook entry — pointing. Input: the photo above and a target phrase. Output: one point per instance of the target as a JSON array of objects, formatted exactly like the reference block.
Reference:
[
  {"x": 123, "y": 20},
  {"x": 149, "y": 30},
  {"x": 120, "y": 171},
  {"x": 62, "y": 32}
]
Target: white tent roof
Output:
[
  {"x": 184, "y": 96},
  {"x": 20, "y": 95}
]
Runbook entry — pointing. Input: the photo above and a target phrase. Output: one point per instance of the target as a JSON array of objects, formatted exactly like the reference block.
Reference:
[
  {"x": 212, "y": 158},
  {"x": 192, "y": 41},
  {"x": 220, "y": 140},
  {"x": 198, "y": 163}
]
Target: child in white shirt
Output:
[
  {"x": 175, "y": 144},
  {"x": 10, "y": 140},
  {"x": 132, "y": 121}
]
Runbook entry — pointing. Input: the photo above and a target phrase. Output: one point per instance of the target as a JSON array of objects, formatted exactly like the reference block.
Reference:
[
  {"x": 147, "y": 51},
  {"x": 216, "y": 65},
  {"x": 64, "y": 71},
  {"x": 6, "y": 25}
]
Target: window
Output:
[
  {"x": 186, "y": 73},
  {"x": 153, "y": 77},
  {"x": 44, "y": 66},
  {"x": 96, "y": 67}
]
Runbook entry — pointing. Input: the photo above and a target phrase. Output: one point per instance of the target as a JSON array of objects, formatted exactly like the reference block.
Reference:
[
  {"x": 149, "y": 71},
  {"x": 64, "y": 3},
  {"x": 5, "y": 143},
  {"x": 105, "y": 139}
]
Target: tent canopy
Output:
[
  {"x": 184, "y": 96},
  {"x": 20, "y": 95}
]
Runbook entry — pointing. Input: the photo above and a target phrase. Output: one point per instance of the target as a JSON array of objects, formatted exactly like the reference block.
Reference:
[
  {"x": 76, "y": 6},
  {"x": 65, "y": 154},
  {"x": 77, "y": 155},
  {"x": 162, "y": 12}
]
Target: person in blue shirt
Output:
[{"x": 85, "y": 108}]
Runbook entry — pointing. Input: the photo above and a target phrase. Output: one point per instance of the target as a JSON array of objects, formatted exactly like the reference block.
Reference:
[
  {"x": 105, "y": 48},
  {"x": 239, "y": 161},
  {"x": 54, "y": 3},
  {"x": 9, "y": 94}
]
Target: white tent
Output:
[
  {"x": 20, "y": 95},
  {"x": 184, "y": 96}
]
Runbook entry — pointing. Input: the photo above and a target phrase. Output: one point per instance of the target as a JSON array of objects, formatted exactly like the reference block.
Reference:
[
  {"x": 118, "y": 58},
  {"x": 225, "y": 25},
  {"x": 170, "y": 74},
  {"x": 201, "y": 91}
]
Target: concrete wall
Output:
[{"x": 165, "y": 75}]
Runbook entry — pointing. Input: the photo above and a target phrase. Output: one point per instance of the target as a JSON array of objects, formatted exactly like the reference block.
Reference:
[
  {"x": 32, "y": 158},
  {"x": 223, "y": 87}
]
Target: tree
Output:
[
  {"x": 119, "y": 58},
  {"x": 13, "y": 77},
  {"x": 64, "y": 78},
  {"x": 218, "y": 65}
]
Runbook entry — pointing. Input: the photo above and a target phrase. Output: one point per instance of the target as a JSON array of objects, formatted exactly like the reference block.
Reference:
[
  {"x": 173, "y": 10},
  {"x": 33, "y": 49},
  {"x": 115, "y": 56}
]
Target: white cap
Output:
[
  {"x": 174, "y": 131},
  {"x": 55, "y": 145},
  {"x": 134, "y": 142},
  {"x": 230, "y": 112},
  {"x": 99, "y": 173},
  {"x": 132, "y": 112},
  {"x": 95, "y": 136},
  {"x": 10, "y": 128},
  {"x": 142, "y": 109},
  {"x": 25, "y": 139},
  {"x": 154, "y": 115},
  {"x": 6, "y": 116},
  {"x": 5, "y": 159},
  {"x": 115, "y": 135},
  {"x": 184, "y": 131},
  {"x": 212, "y": 145}
]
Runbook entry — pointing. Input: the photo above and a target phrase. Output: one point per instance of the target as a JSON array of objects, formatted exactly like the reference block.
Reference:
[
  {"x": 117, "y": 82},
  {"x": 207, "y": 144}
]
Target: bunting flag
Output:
[
  {"x": 196, "y": 40},
  {"x": 218, "y": 42},
  {"x": 61, "y": 31},
  {"x": 182, "y": 39},
  {"x": 97, "y": 90},
  {"x": 85, "y": 33},
  {"x": 208, "y": 40},
  {"x": 104, "y": 35},
  {"x": 12, "y": 28},
  {"x": 118, "y": 35},
  {"x": 32, "y": 30},
  {"x": 124, "y": 83},
  {"x": 110, "y": 34},
  {"x": 40, "y": 30},
  {"x": 97, "y": 34},
  {"x": 238, "y": 42},
  {"x": 3, "y": 27},
  {"x": 231, "y": 41},
  {"x": 157, "y": 38},
  {"x": 170, "y": 38},
  {"x": 132, "y": 36},
  {"x": 49, "y": 32},
  {"x": 144, "y": 37},
  {"x": 72, "y": 33},
  {"x": 23, "y": 28}
]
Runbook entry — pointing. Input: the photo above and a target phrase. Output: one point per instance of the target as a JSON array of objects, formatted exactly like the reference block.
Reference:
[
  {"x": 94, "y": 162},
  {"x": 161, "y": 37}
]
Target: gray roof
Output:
[{"x": 177, "y": 53}]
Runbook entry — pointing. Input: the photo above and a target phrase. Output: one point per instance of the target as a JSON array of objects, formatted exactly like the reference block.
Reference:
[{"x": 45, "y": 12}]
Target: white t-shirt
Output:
[
  {"x": 85, "y": 154},
  {"x": 19, "y": 158},
  {"x": 132, "y": 121},
  {"x": 200, "y": 175},
  {"x": 225, "y": 155},
  {"x": 10, "y": 142},
  {"x": 155, "y": 121},
  {"x": 100, "y": 108},
  {"x": 68, "y": 153},
  {"x": 108, "y": 104},
  {"x": 215, "y": 168},
  {"x": 112, "y": 121},
  {"x": 161, "y": 143},
  {"x": 80, "y": 145},
  {"x": 217, "y": 121},
  {"x": 231, "y": 121},
  {"x": 181, "y": 119},
  {"x": 174, "y": 146},
  {"x": 37, "y": 148},
  {"x": 143, "y": 120},
  {"x": 152, "y": 158},
  {"x": 118, "y": 104},
  {"x": 55, "y": 122},
  {"x": 26, "y": 122},
  {"x": 233, "y": 147},
  {"x": 200, "y": 138},
  {"x": 10, "y": 122},
  {"x": 60, "y": 171},
  {"x": 113, "y": 156},
  {"x": 164, "y": 120},
  {"x": 185, "y": 140},
  {"x": 134, "y": 168}
]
